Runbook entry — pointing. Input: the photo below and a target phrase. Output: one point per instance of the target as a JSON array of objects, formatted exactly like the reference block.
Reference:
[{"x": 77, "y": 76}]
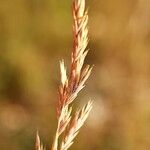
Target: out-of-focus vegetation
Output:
[{"x": 36, "y": 34}]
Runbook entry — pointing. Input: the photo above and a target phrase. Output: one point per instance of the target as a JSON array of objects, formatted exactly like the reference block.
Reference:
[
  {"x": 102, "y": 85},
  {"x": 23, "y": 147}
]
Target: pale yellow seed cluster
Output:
[{"x": 77, "y": 122}]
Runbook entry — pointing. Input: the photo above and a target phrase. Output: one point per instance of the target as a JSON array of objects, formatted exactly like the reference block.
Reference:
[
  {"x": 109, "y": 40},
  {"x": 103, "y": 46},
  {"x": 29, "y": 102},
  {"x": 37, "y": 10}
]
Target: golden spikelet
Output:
[{"x": 38, "y": 145}]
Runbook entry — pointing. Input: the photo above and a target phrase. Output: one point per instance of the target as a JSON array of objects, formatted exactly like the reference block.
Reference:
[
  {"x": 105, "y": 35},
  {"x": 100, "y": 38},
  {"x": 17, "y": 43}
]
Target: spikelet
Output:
[{"x": 38, "y": 145}]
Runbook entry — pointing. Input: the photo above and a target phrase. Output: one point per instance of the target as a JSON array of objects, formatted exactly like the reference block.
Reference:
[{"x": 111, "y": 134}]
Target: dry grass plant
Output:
[{"x": 68, "y": 124}]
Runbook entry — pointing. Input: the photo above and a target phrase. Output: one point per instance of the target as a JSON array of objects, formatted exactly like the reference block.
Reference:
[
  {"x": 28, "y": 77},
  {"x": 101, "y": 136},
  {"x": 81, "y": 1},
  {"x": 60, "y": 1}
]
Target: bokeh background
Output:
[{"x": 36, "y": 34}]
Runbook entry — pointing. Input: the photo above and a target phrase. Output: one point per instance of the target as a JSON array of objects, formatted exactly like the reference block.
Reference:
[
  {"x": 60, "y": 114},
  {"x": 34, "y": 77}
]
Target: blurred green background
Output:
[{"x": 36, "y": 34}]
